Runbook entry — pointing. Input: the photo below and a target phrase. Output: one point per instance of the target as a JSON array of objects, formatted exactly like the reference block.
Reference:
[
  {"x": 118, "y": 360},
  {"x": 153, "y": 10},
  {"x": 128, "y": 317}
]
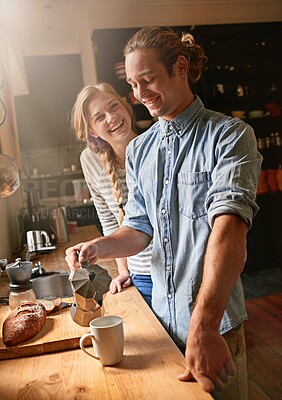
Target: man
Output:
[{"x": 192, "y": 181}]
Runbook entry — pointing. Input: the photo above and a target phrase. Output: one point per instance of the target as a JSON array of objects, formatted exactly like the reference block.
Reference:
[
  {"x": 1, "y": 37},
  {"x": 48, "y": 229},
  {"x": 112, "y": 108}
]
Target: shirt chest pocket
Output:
[{"x": 192, "y": 191}]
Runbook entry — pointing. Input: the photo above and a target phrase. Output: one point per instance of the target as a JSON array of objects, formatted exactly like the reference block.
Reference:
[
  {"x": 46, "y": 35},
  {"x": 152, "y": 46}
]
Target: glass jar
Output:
[{"x": 18, "y": 296}]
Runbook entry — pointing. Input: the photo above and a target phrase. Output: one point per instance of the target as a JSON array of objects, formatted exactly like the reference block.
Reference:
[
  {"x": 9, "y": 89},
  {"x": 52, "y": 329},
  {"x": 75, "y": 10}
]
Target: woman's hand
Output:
[{"x": 120, "y": 282}]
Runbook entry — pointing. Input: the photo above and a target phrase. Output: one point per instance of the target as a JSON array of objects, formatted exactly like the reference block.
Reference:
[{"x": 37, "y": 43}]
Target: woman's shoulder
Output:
[{"x": 88, "y": 157}]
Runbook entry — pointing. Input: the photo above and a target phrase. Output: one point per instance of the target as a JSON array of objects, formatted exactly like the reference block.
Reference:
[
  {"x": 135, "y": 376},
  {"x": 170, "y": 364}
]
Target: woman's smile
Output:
[{"x": 116, "y": 127}]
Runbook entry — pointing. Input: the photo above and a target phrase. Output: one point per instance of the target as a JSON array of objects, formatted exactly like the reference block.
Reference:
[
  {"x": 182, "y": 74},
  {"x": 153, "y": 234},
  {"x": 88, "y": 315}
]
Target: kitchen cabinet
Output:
[
  {"x": 47, "y": 192},
  {"x": 243, "y": 73},
  {"x": 84, "y": 214},
  {"x": 264, "y": 239},
  {"x": 55, "y": 185}
]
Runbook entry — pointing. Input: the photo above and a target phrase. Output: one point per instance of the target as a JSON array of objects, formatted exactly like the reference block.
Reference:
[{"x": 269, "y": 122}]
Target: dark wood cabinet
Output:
[
  {"x": 84, "y": 215},
  {"x": 264, "y": 239}
]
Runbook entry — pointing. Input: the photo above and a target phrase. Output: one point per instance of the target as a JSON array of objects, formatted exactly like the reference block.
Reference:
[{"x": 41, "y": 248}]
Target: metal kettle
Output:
[
  {"x": 37, "y": 240},
  {"x": 59, "y": 225}
]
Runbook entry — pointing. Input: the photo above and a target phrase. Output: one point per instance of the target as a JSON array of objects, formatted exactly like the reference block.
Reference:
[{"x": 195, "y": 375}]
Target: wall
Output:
[
  {"x": 43, "y": 116},
  {"x": 9, "y": 236}
]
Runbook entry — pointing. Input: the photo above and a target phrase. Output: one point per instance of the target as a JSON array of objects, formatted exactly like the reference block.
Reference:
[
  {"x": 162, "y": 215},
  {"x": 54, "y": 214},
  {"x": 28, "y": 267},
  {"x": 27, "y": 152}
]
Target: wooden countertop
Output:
[{"x": 149, "y": 367}]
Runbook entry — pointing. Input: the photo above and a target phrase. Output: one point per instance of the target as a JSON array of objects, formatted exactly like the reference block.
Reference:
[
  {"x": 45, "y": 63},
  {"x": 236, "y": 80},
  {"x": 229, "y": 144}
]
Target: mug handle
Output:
[{"x": 81, "y": 344}]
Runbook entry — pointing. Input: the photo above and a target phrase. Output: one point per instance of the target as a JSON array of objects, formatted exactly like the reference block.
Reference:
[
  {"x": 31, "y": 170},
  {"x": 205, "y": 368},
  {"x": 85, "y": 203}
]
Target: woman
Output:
[{"x": 104, "y": 120}]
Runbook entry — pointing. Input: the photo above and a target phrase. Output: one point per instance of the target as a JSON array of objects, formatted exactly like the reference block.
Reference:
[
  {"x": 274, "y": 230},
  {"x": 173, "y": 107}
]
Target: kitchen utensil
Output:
[
  {"x": 57, "y": 334},
  {"x": 72, "y": 225},
  {"x": 274, "y": 109},
  {"x": 238, "y": 114},
  {"x": 107, "y": 338},
  {"x": 256, "y": 113},
  {"x": 89, "y": 284},
  {"x": 59, "y": 225},
  {"x": 9, "y": 176},
  {"x": 81, "y": 191},
  {"x": 3, "y": 263},
  {"x": 19, "y": 274},
  {"x": 38, "y": 240}
]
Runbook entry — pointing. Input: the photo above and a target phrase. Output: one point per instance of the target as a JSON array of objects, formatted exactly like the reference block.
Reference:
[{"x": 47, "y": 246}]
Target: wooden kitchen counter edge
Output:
[{"x": 149, "y": 367}]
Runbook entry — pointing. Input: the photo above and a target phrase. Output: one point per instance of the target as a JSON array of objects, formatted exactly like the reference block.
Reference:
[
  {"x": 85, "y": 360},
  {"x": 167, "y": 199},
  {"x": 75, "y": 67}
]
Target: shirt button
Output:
[
  {"x": 169, "y": 296},
  {"x": 168, "y": 269},
  {"x": 165, "y": 239},
  {"x": 169, "y": 152},
  {"x": 163, "y": 211},
  {"x": 166, "y": 181}
]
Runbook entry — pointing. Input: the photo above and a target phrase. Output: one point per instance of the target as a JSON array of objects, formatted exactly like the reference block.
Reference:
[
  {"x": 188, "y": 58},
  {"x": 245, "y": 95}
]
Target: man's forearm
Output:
[
  {"x": 224, "y": 261},
  {"x": 122, "y": 243}
]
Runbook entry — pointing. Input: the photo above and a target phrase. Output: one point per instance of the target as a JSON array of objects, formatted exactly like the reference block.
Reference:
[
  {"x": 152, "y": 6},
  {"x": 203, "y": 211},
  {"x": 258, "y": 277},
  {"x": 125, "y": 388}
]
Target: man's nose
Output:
[{"x": 140, "y": 92}]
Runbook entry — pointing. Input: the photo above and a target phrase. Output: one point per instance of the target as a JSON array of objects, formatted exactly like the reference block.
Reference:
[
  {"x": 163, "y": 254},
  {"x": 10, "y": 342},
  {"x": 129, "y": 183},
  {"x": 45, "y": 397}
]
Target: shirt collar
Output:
[{"x": 180, "y": 124}]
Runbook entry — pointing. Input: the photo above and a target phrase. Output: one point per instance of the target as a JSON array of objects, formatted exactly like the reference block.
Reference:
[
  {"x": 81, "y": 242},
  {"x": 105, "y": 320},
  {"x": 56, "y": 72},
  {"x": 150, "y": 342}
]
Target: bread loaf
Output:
[
  {"x": 23, "y": 322},
  {"x": 51, "y": 305}
]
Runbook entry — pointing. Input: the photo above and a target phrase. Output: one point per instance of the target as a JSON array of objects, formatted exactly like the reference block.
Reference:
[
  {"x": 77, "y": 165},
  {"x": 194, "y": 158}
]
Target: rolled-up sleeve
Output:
[
  {"x": 135, "y": 210},
  {"x": 236, "y": 174}
]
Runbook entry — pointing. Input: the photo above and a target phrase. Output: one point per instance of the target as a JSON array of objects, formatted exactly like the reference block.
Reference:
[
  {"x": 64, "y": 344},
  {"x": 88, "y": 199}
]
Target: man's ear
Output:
[{"x": 181, "y": 66}]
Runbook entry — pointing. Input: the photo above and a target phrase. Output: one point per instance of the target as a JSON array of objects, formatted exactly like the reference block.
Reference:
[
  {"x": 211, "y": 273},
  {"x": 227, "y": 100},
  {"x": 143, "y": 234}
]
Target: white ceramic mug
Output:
[{"x": 107, "y": 338}]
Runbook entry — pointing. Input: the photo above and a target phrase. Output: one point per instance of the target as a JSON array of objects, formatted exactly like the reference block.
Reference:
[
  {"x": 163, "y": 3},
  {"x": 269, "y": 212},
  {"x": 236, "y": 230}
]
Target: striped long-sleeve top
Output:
[{"x": 99, "y": 184}]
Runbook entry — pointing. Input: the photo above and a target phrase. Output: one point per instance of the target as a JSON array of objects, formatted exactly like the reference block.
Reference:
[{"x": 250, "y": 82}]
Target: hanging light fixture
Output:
[
  {"x": 9, "y": 173},
  {"x": 2, "y": 105}
]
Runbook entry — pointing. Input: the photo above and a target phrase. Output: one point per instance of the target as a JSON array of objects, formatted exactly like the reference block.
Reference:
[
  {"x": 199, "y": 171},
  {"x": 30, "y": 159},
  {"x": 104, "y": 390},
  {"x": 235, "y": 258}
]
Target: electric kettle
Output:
[{"x": 38, "y": 240}]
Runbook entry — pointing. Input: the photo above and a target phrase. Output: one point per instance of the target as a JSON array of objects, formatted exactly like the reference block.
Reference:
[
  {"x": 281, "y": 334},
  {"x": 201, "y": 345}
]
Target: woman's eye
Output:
[
  {"x": 114, "y": 106},
  {"x": 99, "y": 118}
]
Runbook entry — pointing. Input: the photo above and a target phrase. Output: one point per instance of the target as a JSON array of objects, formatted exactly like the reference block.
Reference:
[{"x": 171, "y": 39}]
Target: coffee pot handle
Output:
[{"x": 46, "y": 238}]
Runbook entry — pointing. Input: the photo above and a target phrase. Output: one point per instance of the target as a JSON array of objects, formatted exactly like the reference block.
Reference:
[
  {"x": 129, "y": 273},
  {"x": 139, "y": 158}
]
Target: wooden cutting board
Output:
[{"x": 59, "y": 332}]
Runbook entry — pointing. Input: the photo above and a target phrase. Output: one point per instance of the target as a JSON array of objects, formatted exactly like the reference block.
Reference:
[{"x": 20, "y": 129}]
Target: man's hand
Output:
[
  {"x": 120, "y": 282},
  {"x": 208, "y": 360},
  {"x": 88, "y": 251}
]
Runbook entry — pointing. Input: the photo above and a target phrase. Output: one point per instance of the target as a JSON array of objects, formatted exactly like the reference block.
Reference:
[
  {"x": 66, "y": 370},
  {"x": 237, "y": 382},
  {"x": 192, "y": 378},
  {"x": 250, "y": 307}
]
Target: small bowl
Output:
[
  {"x": 144, "y": 123},
  {"x": 256, "y": 113},
  {"x": 238, "y": 114}
]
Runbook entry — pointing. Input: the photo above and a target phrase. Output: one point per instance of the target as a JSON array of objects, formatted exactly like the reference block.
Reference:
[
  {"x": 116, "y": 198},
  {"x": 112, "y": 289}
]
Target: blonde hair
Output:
[
  {"x": 170, "y": 46},
  {"x": 81, "y": 127}
]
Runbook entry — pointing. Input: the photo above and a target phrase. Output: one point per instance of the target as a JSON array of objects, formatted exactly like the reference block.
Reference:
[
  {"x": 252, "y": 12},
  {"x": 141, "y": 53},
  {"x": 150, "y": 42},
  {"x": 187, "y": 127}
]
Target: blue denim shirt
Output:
[{"x": 180, "y": 175}]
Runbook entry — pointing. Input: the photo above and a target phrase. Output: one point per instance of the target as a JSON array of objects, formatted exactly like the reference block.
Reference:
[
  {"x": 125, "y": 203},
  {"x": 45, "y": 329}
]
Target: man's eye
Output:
[{"x": 150, "y": 80}]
